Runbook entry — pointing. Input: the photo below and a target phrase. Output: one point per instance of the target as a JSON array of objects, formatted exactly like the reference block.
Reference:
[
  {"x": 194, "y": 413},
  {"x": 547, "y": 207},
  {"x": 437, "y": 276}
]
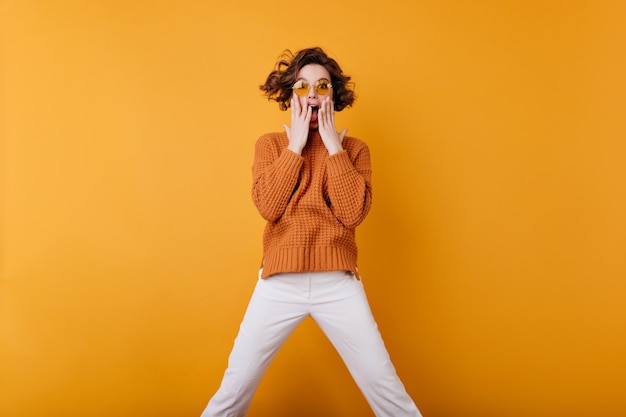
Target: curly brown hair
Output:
[{"x": 279, "y": 82}]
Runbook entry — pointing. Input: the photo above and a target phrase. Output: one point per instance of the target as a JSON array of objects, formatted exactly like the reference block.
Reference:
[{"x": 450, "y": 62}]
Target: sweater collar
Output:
[{"x": 314, "y": 135}]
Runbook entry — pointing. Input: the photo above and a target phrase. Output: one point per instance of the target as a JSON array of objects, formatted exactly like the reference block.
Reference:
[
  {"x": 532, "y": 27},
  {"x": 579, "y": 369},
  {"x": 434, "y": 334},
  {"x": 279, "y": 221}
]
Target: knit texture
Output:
[{"x": 312, "y": 203}]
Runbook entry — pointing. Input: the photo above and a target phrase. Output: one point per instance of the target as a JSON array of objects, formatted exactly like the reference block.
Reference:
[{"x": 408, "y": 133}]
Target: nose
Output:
[{"x": 312, "y": 93}]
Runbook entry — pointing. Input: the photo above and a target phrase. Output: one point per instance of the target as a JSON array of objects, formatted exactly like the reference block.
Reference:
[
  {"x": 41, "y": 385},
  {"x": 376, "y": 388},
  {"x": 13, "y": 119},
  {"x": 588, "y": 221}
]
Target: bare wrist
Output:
[
  {"x": 295, "y": 149},
  {"x": 334, "y": 149}
]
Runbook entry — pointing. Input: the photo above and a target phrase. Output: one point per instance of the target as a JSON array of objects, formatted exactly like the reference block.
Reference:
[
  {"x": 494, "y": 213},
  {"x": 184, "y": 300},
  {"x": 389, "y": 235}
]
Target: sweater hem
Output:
[{"x": 303, "y": 259}]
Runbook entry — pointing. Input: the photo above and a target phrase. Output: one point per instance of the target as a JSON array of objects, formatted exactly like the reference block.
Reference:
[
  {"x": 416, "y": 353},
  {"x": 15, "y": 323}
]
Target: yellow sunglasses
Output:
[{"x": 322, "y": 87}]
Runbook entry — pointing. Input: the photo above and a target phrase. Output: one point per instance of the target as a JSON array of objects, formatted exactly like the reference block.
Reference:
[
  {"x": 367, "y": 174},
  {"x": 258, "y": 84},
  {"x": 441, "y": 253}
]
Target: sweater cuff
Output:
[
  {"x": 289, "y": 161},
  {"x": 339, "y": 163}
]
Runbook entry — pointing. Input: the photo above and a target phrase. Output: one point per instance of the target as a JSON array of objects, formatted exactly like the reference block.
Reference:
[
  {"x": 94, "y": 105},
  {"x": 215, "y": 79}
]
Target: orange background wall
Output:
[{"x": 493, "y": 256}]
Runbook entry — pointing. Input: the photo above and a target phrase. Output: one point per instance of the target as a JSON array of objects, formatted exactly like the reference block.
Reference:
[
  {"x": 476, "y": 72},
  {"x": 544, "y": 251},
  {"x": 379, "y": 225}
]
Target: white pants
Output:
[{"x": 337, "y": 302}]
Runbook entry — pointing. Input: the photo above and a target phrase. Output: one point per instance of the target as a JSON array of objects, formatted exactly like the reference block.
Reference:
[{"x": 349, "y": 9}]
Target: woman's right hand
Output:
[{"x": 298, "y": 132}]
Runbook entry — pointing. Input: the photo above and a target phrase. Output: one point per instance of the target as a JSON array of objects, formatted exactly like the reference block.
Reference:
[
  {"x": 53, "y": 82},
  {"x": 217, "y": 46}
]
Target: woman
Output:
[{"x": 312, "y": 185}]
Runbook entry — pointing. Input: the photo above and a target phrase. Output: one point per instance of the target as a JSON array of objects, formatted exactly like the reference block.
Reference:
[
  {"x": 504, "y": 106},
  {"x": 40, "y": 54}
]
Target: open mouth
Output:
[{"x": 314, "y": 110}]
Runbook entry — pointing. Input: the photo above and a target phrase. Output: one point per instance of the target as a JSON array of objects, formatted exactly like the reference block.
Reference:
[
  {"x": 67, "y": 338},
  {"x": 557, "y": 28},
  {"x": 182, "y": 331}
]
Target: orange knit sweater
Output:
[{"x": 312, "y": 203}]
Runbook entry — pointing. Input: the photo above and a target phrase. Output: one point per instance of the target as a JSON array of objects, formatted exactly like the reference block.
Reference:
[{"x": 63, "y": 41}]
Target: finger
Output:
[
  {"x": 288, "y": 130},
  {"x": 328, "y": 113},
  {"x": 321, "y": 116},
  {"x": 295, "y": 107},
  {"x": 342, "y": 134},
  {"x": 321, "y": 113},
  {"x": 331, "y": 111}
]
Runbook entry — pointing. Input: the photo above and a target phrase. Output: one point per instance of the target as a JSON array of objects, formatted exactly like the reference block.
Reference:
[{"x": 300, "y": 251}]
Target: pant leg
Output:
[
  {"x": 272, "y": 315},
  {"x": 350, "y": 326}
]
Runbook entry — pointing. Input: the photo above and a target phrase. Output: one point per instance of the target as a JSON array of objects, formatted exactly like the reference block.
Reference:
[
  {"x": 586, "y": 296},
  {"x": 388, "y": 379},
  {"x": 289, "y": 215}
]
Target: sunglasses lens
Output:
[
  {"x": 301, "y": 88},
  {"x": 322, "y": 88}
]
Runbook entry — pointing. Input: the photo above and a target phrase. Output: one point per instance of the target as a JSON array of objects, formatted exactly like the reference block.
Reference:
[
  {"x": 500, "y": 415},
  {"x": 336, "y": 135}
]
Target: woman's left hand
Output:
[{"x": 326, "y": 125}]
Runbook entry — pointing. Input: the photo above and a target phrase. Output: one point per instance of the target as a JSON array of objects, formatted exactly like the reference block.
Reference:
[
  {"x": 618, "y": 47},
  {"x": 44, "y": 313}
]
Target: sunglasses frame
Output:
[{"x": 308, "y": 87}]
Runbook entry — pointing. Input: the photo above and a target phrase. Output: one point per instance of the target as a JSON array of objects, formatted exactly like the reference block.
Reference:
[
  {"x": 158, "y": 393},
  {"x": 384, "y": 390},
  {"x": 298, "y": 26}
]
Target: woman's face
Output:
[{"x": 317, "y": 78}]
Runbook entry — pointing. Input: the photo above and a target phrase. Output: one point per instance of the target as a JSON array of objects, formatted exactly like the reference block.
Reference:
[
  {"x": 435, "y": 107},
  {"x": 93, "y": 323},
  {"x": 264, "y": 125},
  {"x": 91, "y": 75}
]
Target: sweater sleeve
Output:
[
  {"x": 275, "y": 174},
  {"x": 349, "y": 186}
]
